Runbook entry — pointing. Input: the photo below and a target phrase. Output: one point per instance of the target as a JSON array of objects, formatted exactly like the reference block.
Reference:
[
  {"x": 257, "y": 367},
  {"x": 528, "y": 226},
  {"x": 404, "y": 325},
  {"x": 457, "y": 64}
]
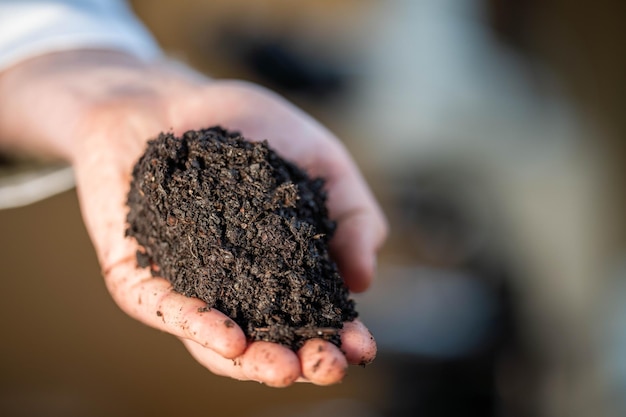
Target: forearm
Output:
[
  {"x": 46, "y": 49},
  {"x": 44, "y": 98}
]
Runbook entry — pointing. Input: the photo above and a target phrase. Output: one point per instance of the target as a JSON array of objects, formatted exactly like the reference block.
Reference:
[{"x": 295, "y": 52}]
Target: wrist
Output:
[{"x": 53, "y": 101}]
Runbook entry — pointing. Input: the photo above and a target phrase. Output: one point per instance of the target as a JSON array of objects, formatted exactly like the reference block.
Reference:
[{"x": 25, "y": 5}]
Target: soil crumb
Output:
[{"x": 232, "y": 223}]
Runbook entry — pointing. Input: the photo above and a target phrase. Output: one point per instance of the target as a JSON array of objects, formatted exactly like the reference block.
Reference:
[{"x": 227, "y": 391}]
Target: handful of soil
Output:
[{"x": 232, "y": 223}]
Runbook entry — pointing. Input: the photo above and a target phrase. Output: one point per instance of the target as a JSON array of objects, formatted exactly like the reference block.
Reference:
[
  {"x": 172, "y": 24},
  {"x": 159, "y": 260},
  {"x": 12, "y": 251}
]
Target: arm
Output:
[{"x": 97, "y": 109}]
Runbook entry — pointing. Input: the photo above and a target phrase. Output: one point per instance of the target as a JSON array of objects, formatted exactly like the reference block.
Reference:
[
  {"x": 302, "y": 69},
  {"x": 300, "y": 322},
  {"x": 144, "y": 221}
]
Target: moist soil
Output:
[{"x": 230, "y": 222}]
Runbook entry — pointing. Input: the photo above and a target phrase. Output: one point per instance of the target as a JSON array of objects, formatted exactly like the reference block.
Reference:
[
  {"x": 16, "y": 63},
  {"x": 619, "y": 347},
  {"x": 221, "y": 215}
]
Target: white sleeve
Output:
[{"x": 33, "y": 27}]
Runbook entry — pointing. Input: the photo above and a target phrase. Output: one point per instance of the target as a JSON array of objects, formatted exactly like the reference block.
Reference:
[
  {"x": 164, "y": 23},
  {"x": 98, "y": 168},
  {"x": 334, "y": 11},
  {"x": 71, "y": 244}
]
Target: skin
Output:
[
  {"x": 97, "y": 109},
  {"x": 322, "y": 363}
]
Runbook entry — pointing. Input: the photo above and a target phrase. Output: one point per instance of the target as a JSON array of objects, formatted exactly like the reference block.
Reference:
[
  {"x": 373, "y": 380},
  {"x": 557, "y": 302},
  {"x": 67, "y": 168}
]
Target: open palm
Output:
[{"x": 110, "y": 136}]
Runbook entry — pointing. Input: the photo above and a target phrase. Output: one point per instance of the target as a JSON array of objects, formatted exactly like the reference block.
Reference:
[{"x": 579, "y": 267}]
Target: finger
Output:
[
  {"x": 357, "y": 343},
  {"x": 361, "y": 224},
  {"x": 214, "y": 362},
  {"x": 153, "y": 302},
  {"x": 269, "y": 363},
  {"x": 354, "y": 248},
  {"x": 322, "y": 362}
]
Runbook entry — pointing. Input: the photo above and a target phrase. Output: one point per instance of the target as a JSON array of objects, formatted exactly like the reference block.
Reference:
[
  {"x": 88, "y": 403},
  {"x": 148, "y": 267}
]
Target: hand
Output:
[{"x": 98, "y": 109}]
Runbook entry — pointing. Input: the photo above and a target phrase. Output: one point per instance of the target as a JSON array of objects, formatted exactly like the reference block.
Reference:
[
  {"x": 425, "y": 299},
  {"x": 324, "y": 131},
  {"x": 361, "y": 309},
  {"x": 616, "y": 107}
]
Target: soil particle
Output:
[{"x": 230, "y": 222}]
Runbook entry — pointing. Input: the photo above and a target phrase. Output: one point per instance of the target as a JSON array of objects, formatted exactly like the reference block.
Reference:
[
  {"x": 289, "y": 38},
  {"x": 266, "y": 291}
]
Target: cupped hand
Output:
[{"x": 98, "y": 109}]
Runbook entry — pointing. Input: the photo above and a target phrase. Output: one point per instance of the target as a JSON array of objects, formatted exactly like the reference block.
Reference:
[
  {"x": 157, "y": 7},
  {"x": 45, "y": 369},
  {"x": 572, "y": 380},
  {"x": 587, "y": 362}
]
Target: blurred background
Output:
[{"x": 492, "y": 133}]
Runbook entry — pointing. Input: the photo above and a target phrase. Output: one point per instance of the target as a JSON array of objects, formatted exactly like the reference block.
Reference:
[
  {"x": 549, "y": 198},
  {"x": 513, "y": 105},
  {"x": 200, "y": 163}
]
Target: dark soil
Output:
[{"x": 232, "y": 223}]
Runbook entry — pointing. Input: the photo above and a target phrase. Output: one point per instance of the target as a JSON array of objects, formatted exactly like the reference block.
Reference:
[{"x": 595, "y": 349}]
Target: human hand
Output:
[{"x": 98, "y": 109}]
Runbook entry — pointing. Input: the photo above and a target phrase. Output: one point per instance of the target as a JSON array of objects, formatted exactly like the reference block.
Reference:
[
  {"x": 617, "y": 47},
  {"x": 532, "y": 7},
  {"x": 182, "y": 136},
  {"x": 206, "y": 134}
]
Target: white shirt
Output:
[{"x": 33, "y": 27}]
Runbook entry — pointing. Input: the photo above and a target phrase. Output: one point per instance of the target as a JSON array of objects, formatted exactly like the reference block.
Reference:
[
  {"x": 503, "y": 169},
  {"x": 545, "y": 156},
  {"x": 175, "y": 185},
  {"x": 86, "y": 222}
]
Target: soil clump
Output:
[{"x": 230, "y": 222}]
